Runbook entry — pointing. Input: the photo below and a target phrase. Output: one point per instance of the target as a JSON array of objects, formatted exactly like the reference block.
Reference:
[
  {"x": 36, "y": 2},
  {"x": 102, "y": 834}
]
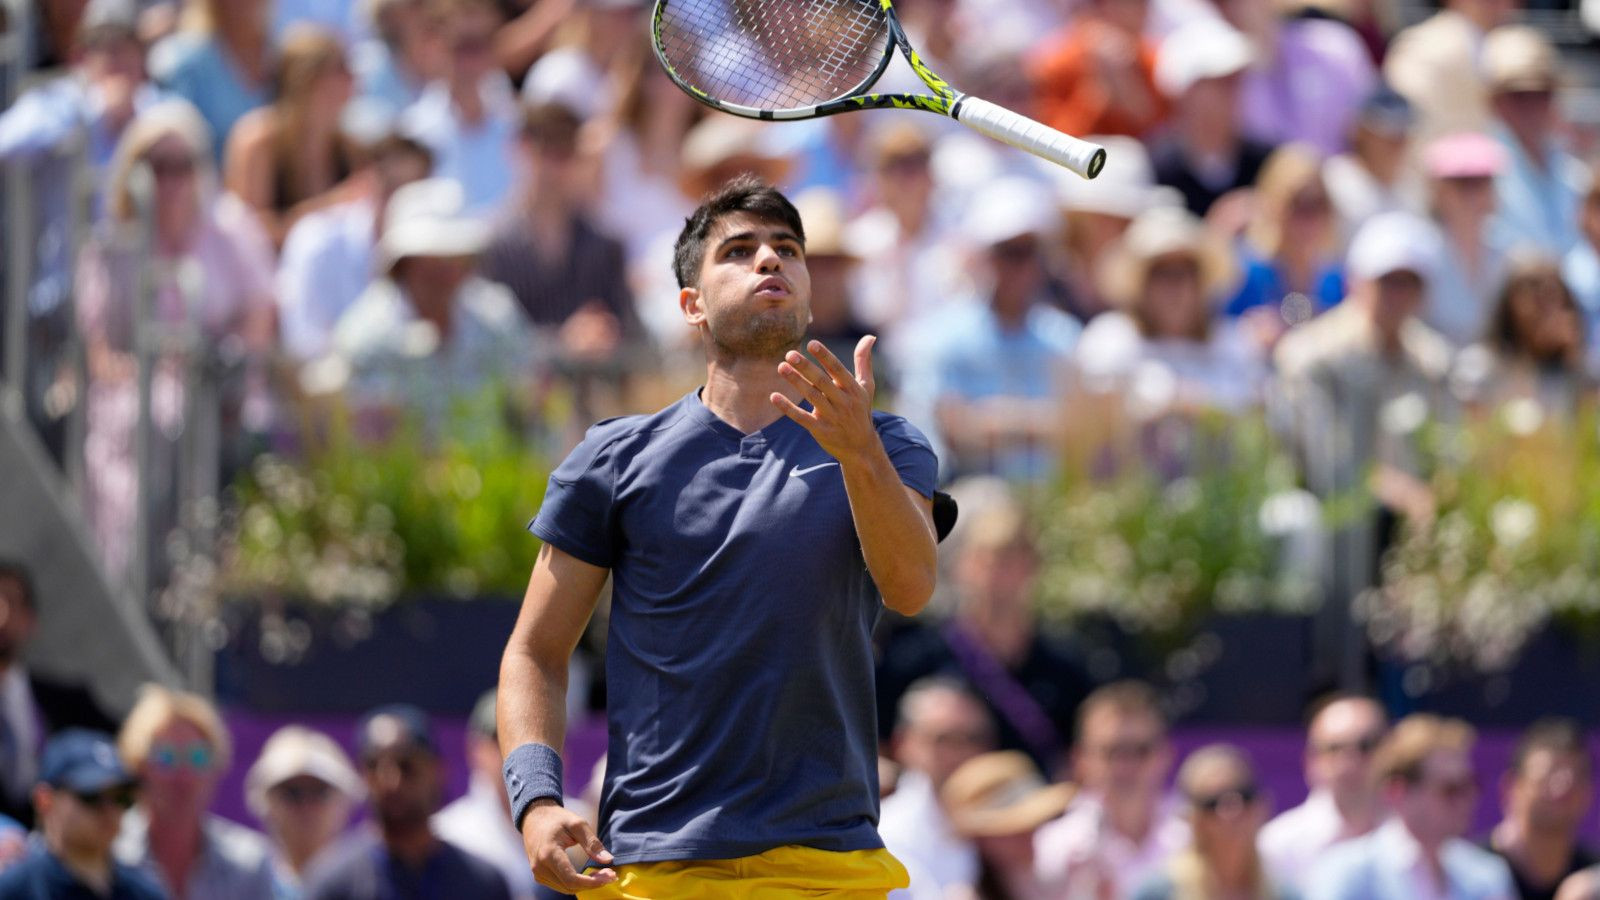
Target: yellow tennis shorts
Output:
[{"x": 774, "y": 875}]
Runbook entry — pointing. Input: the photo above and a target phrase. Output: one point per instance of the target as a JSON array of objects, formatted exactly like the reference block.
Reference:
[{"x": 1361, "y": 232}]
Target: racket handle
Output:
[{"x": 1021, "y": 132}]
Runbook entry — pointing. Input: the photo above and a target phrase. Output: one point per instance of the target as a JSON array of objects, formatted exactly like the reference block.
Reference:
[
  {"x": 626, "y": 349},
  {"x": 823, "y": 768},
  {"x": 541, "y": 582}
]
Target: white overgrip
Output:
[{"x": 1024, "y": 133}]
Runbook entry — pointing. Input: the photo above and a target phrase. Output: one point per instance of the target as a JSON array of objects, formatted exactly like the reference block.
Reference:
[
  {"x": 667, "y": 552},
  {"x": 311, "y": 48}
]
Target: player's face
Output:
[{"x": 754, "y": 296}]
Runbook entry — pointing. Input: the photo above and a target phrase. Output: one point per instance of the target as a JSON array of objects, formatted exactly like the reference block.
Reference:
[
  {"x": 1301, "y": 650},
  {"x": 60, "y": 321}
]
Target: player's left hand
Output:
[{"x": 840, "y": 417}]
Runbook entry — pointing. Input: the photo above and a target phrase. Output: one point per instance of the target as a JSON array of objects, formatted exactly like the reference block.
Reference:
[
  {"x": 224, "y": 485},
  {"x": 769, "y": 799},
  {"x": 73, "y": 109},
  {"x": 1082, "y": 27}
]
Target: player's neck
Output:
[{"x": 739, "y": 392}]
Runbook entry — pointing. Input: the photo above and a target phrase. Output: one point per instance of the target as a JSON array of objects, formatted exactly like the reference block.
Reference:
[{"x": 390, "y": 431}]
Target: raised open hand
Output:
[{"x": 840, "y": 417}]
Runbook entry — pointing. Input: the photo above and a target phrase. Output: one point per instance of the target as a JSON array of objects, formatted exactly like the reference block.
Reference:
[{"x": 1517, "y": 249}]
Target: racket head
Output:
[{"x": 773, "y": 59}]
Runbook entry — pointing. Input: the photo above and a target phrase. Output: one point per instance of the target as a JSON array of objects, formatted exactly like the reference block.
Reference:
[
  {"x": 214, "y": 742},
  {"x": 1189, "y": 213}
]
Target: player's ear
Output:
[{"x": 694, "y": 309}]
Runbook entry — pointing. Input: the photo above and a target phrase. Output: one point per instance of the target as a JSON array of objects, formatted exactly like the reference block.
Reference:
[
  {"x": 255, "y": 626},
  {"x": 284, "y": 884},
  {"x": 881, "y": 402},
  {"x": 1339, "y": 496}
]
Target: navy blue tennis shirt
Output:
[{"x": 739, "y": 663}]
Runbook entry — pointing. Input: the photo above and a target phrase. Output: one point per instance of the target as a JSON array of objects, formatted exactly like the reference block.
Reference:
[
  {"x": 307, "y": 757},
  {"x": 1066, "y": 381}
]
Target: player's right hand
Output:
[{"x": 548, "y": 829}]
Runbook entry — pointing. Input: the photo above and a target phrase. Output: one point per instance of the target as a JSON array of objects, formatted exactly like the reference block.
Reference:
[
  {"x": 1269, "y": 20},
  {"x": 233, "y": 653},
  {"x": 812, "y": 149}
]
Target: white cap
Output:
[
  {"x": 566, "y": 76},
  {"x": 1204, "y": 48},
  {"x": 293, "y": 751},
  {"x": 1010, "y": 208},
  {"x": 428, "y": 218},
  {"x": 1394, "y": 242}
]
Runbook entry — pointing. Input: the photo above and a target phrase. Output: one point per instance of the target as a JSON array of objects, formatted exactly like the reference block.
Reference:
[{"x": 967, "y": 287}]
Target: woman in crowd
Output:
[
  {"x": 210, "y": 271},
  {"x": 1535, "y": 348},
  {"x": 303, "y": 790},
  {"x": 406, "y": 52},
  {"x": 1461, "y": 169},
  {"x": 997, "y": 801},
  {"x": 219, "y": 60},
  {"x": 290, "y": 157},
  {"x": 1165, "y": 349},
  {"x": 1289, "y": 249},
  {"x": 1226, "y": 810},
  {"x": 176, "y": 744}
]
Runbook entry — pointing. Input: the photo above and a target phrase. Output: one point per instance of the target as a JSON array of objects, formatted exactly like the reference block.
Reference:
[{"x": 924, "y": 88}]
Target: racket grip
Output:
[{"x": 1021, "y": 132}]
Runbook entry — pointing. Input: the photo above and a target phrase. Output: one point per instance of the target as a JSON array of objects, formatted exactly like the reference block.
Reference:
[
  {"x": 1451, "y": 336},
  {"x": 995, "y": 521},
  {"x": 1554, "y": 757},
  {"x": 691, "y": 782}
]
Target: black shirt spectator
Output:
[
  {"x": 368, "y": 872},
  {"x": 41, "y": 876}
]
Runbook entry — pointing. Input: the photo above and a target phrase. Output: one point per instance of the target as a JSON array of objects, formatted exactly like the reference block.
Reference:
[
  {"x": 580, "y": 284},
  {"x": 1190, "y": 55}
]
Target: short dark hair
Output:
[
  {"x": 1556, "y": 734},
  {"x": 16, "y": 570},
  {"x": 552, "y": 125},
  {"x": 1128, "y": 697},
  {"x": 400, "y": 145},
  {"x": 743, "y": 194}
]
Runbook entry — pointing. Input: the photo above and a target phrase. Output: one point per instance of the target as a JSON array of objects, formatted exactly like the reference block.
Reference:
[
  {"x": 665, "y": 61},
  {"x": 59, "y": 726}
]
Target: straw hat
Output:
[
  {"x": 293, "y": 751},
  {"x": 822, "y": 214},
  {"x": 1159, "y": 232},
  {"x": 999, "y": 794}
]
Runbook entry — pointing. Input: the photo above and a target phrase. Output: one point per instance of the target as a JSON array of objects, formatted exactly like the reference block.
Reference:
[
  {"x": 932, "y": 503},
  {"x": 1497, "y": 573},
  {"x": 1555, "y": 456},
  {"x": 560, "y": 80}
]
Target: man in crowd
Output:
[
  {"x": 480, "y": 821},
  {"x": 82, "y": 793},
  {"x": 28, "y": 701},
  {"x": 1345, "y": 732},
  {"x": 1425, "y": 770},
  {"x": 1124, "y": 828},
  {"x": 1540, "y": 192},
  {"x": 1435, "y": 64},
  {"x": 1546, "y": 795},
  {"x": 405, "y": 781},
  {"x": 941, "y": 724}
]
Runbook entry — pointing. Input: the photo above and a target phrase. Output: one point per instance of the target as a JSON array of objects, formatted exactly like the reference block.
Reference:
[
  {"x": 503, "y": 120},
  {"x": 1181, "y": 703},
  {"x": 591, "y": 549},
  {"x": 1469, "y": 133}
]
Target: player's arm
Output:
[
  {"x": 893, "y": 522},
  {"x": 532, "y": 703}
]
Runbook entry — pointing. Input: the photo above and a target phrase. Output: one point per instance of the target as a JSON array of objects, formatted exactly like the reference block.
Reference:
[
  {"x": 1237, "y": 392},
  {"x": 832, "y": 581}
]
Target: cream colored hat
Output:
[
  {"x": 1159, "y": 232},
  {"x": 822, "y": 216},
  {"x": 1519, "y": 58},
  {"x": 293, "y": 751},
  {"x": 999, "y": 794}
]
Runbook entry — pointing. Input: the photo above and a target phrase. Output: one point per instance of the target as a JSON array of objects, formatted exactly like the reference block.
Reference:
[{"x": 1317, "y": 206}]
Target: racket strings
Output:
[{"x": 773, "y": 54}]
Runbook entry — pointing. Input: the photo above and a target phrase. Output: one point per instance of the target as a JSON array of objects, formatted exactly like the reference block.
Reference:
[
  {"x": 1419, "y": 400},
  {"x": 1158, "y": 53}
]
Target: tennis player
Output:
[{"x": 751, "y": 531}]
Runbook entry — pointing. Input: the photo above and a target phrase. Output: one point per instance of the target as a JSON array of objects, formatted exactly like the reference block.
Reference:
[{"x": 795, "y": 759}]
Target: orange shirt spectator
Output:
[{"x": 1097, "y": 76}]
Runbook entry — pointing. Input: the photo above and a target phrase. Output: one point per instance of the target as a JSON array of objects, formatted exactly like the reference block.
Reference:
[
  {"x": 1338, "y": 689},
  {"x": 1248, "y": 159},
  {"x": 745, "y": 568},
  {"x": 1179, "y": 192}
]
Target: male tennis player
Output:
[{"x": 750, "y": 530}]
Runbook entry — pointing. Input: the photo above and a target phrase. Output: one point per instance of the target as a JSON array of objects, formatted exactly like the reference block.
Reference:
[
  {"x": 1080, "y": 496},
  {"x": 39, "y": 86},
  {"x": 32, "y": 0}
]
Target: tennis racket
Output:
[{"x": 802, "y": 59}]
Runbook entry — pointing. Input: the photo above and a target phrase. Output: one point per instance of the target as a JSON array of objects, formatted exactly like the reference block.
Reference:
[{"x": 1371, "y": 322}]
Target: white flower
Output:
[
  {"x": 1522, "y": 416},
  {"x": 1404, "y": 414},
  {"x": 1513, "y": 522}
]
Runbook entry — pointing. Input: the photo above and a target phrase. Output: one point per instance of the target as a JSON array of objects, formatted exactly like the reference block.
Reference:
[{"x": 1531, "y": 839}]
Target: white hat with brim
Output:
[
  {"x": 294, "y": 751},
  {"x": 1394, "y": 242},
  {"x": 428, "y": 218},
  {"x": 1206, "y": 48},
  {"x": 1166, "y": 231},
  {"x": 1010, "y": 208}
]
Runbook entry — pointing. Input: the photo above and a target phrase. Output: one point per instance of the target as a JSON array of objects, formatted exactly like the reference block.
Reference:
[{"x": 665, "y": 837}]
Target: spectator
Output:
[
  {"x": 178, "y": 747},
  {"x": 998, "y": 802},
  {"x": 1122, "y": 830},
  {"x": 30, "y": 703},
  {"x": 1029, "y": 680},
  {"x": 211, "y": 271},
  {"x": 480, "y": 821},
  {"x": 1425, "y": 769},
  {"x": 469, "y": 117},
  {"x": 1540, "y": 190},
  {"x": 1097, "y": 76},
  {"x": 1375, "y": 175},
  {"x": 1546, "y": 796},
  {"x": 330, "y": 255},
  {"x": 994, "y": 364},
  {"x": 220, "y": 60},
  {"x": 1435, "y": 64},
  {"x": 831, "y": 263},
  {"x": 1225, "y": 809},
  {"x": 1535, "y": 346},
  {"x": 1165, "y": 348},
  {"x": 405, "y": 53},
  {"x": 289, "y": 158},
  {"x": 1097, "y": 213},
  {"x": 568, "y": 276},
  {"x": 1308, "y": 80},
  {"x": 598, "y": 43},
  {"x": 1344, "y": 804},
  {"x": 1342, "y": 369},
  {"x": 1461, "y": 169},
  {"x": 941, "y": 724},
  {"x": 82, "y": 794},
  {"x": 303, "y": 789},
  {"x": 1204, "y": 156},
  {"x": 405, "y": 779},
  {"x": 1580, "y": 268},
  {"x": 428, "y": 329},
  {"x": 1290, "y": 269}
]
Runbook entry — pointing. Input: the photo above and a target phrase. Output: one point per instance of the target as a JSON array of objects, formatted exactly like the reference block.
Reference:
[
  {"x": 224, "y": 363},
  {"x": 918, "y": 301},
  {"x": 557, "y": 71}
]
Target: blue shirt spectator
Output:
[
  {"x": 1540, "y": 190},
  {"x": 203, "y": 62},
  {"x": 1264, "y": 285}
]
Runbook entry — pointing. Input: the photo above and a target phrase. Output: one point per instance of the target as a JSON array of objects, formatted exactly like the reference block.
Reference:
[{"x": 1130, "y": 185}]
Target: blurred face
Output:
[
  {"x": 551, "y": 169},
  {"x": 1340, "y": 745},
  {"x": 397, "y": 170},
  {"x": 1466, "y": 200},
  {"x": 434, "y": 276},
  {"x": 120, "y": 57},
  {"x": 1529, "y": 114},
  {"x": 1225, "y": 810},
  {"x": 333, "y": 88},
  {"x": 1208, "y": 108},
  {"x": 174, "y": 166},
  {"x": 906, "y": 177},
  {"x": 16, "y": 621},
  {"x": 945, "y": 730},
  {"x": 85, "y": 824},
  {"x": 830, "y": 286},
  {"x": 996, "y": 587},
  {"x": 404, "y": 782},
  {"x": 1010, "y": 852},
  {"x": 1129, "y": 15},
  {"x": 1390, "y": 300},
  {"x": 1173, "y": 306},
  {"x": 754, "y": 293},
  {"x": 472, "y": 45},
  {"x": 1384, "y": 152},
  {"x": 1309, "y": 216},
  {"x": 1123, "y": 755},
  {"x": 1552, "y": 793},
  {"x": 1543, "y": 320},
  {"x": 1439, "y": 805},
  {"x": 305, "y": 814},
  {"x": 1017, "y": 273},
  {"x": 180, "y": 774}
]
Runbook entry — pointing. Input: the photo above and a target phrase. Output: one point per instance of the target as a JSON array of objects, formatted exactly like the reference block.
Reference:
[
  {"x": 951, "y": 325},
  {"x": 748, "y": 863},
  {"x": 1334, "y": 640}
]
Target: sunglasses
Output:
[
  {"x": 196, "y": 757},
  {"x": 1233, "y": 798},
  {"x": 121, "y": 798},
  {"x": 303, "y": 793},
  {"x": 1363, "y": 746}
]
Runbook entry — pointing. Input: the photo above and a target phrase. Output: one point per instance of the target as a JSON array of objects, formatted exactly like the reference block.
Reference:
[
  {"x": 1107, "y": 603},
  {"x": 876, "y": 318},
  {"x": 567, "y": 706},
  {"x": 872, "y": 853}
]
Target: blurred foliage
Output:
[
  {"x": 1513, "y": 545},
  {"x": 419, "y": 507},
  {"x": 1196, "y": 516}
]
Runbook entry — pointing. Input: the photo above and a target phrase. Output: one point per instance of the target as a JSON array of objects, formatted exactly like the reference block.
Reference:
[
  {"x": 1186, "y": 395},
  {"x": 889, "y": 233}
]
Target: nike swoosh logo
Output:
[{"x": 796, "y": 472}]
